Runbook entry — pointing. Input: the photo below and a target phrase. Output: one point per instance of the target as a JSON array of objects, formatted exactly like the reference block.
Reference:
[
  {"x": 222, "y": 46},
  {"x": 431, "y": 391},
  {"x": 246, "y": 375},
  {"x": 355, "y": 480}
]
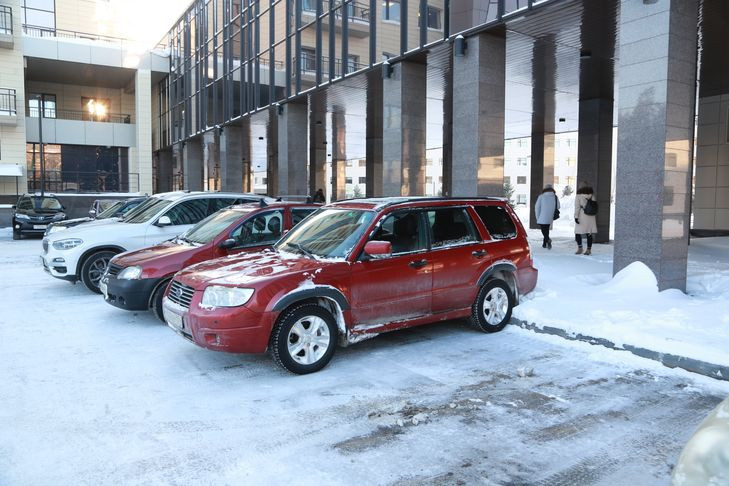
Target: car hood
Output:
[
  {"x": 89, "y": 228},
  {"x": 73, "y": 222},
  {"x": 251, "y": 268},
  {"x": 164, "y": 250}
]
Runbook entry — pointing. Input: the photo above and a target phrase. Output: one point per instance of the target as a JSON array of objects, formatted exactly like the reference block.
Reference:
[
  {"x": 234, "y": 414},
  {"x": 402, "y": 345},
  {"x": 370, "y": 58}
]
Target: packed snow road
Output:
[{"x": 91, "y": 394}]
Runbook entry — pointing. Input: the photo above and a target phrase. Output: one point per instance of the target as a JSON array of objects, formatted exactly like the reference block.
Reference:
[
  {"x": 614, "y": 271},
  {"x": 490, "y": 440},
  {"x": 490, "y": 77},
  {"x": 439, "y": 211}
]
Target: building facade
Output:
[{"x": 68, "y": 78}]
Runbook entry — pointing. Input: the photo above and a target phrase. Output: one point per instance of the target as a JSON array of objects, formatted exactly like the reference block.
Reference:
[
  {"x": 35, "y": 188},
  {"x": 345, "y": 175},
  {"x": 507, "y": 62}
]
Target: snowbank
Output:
[{"x": 577, "y": 293}]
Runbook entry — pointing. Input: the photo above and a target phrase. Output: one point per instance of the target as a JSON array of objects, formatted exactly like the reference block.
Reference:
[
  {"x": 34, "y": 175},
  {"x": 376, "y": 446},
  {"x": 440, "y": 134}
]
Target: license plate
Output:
[
  {"x": 40, "y": 226},
  {"x": 104, "y": 290},
  {"x": 173, "y": 320}
]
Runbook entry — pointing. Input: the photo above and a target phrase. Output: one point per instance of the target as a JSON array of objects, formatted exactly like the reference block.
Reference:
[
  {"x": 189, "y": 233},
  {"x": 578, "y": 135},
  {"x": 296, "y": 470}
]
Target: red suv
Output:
[
  {"x": 355, "y": 269},
  {"x": 137, "y": 280}
]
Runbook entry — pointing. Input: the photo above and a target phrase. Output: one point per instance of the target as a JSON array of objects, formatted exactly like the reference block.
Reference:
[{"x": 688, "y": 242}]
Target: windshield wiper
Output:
[{"x": 302, "y": 249}]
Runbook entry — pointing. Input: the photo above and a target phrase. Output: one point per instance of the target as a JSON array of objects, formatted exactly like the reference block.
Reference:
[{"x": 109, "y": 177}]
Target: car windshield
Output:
[
  {"x": 138, "y": 209},
  {"x": 110, "y": 211},
  {"x": 47, "y": 203},
  {"x": 148, "y": 212},
  {"x": 328, "y": 233},
  {"x": 207, "y": 229}
]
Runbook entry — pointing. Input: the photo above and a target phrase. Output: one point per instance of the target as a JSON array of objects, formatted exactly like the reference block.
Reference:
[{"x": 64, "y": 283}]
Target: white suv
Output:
[{"x": 83, "y": 252}]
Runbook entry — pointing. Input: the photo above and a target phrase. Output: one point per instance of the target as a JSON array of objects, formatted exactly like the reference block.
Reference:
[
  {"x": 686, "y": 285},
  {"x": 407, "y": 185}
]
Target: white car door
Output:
[{"x": 182, "y": 216}]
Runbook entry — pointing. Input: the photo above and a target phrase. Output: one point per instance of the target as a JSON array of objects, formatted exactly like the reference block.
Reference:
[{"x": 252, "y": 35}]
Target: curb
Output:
[{"x": 711, "y": 370}]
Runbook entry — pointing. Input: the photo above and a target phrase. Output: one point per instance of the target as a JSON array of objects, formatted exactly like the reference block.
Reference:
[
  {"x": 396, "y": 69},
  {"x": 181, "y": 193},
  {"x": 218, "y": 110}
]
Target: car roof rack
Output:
[
  {"x": 388, "y": 201},
  {"x": 295, "y": 197}
]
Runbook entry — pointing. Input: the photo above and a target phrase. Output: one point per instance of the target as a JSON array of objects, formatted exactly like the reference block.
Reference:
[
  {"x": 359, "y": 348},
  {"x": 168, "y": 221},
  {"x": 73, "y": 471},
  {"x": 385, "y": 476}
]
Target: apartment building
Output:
[{"x": 71, "y": 80}]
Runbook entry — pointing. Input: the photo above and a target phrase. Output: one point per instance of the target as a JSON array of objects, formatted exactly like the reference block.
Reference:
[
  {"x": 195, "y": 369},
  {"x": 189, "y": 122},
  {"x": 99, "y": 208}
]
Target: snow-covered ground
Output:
[
  {"x": 577, "y": 293},
  {"x": 91, "y": 394}
]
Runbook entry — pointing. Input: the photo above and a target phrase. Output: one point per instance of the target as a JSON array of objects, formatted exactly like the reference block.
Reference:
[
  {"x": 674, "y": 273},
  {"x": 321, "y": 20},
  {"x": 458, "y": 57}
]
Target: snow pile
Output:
[{"x": 577, "y": 294}]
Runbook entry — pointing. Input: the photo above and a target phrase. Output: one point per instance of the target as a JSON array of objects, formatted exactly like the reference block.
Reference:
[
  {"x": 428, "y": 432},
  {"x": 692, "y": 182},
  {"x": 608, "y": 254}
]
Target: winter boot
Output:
[
  {"x": 579, "y": 251},
  {"x": 544, "y": 243},
  {"x": 588, "y": 251},
  {"x": 549, "y": 244}
]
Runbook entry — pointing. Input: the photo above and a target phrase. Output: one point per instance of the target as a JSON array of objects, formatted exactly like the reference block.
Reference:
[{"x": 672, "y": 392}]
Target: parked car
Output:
[
  {"x": 705, "y": 457},
  {"x": 83, "y": 252},
  {"x": 354, "y": 269},
  {"x": 137, "y": 280},
  {"x": 100, "y": 205},
  {"x": 116, "y": 210},
  {"x": 33, "y": 213}
]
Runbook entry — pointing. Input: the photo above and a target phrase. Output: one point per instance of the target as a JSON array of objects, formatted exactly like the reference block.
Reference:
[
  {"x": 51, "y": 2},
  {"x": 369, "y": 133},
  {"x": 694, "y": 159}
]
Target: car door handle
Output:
[
  {"x": 418, "y": 263},
  {"x": 479, "y": 253}
]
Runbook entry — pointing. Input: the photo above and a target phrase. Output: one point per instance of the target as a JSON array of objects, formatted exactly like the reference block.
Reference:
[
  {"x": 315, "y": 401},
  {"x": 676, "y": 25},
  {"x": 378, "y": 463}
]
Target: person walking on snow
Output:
[
  {"x": 585, "y": 224},
  {"x": 546, "y": 210}
]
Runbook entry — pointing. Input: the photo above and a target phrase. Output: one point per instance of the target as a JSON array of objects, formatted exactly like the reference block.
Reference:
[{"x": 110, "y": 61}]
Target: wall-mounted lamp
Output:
[
  {"x": 459, "y": 46},
  {"x": 260, "y": 138},
  {"x": 279, "y": 108},
  {"x": 562, "y": 120},
  {"x": 386, "y": 70},
  {"x": 220, "y": 129}
]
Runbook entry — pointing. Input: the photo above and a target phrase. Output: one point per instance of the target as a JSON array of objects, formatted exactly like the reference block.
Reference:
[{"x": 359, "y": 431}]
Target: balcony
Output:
[
  {"x": 8, "y": 109},
  {"x": 6, "y": 26},
  {"x": 78, "y": 128},
  {"x": 358, "y": 16}
]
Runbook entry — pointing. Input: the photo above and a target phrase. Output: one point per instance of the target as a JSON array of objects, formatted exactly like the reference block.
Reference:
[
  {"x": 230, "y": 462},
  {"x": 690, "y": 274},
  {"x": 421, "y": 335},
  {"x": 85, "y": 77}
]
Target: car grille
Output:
[
  {"x": 180, "y": 294},
  {"x": 113, "y": 269},
  {"x": 45, "y": 245}
]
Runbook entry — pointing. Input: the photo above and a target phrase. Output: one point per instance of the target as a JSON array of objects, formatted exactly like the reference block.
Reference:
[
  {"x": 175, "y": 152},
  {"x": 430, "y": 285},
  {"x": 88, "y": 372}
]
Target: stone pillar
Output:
[
  {"x": 318, "y": 143},
  {"x": 404, "y": 128},
  {"x": 192, "y": 164},
  {"x": 234, "y": 152},
  {"x": 339, "y": 155},
  {"x": 374, "y": 134},
  {"x": 211, "y": 157},
  {"x": 292, "y": 176},
  {"x": 595, "y": 132},
  {"x": 447, "y": 184},
  {"x": 655, "y": 138},
  {"x": 165, "y": 164},
  {"x": 544, "y": 64},
  {"x": 143, "y": 126},
  {"x": 272, "y": 186},
  {"x": 478, "y": 118}
]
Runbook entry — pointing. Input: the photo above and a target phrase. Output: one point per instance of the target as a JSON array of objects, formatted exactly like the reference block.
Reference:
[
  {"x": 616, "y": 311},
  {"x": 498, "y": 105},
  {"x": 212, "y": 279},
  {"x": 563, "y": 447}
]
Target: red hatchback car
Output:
[
  {"x": 355, "y": 269},
  {"x": 137, "y": 280}
]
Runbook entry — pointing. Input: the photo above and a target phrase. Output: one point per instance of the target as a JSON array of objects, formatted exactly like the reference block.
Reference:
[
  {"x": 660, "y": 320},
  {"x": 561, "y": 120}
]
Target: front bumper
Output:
[
  {"x": 60, "y": 264},
  {"x": 132, "y": 295},
  {"x": 228, "y": 329},
  {"x": 30, "y": 227}
]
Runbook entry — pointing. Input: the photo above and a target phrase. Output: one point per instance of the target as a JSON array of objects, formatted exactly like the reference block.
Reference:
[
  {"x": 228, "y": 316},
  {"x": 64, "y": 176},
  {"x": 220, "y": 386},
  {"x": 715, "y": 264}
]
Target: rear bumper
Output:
[
  {"x": 231, "y": 329},
  {"x": 131, "y": 295},
  {"x": 527, "y": 279}
]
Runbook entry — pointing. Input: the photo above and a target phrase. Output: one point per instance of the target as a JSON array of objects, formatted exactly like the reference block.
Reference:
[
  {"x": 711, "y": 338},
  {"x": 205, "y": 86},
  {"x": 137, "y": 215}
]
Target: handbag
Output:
[
  {"x": 590, "y": 208},
  {"x": 556, "y": 209}
]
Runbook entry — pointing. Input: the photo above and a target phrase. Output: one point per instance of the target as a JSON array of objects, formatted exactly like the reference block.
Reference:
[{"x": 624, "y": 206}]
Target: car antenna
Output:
[{"x": 262, "y": 203}]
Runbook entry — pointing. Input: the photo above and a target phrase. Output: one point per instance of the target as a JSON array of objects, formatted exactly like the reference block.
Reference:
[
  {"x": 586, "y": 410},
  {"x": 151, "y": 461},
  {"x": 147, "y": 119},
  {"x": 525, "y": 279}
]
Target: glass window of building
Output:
[
  {"x": 47, "y": 100},
  {"x": 39, "y": 17},
  {"x": 363, "y": 180},
  {"x": 521, "y": 161},
  {"x": 521, "y": 180},
  {"x": 507, "y": 179},
  {"x": 95, "y": 109},
  {"x": 347, "y": 180},
  {"x": 434, "y": 18},
  {"x": 521, "y": 198},
  {"x": 7, "y": 101},
  {"x": 391, "y": 10},
  {"x": 308, "y": 59}
]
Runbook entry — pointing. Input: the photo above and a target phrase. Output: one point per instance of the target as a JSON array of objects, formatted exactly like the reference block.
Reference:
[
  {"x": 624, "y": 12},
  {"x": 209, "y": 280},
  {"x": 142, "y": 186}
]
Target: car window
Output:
[
  {"x": 128, "y": 207},
  {"x": 110, "y": 211},
  {"x": 246, "y": 200},
  {"x": 404, "y": 230},
  {"x": 146, "y": 211},
  {"x": 497, "y": 222},
  {"x": 260, "y": 229},
  {"x": 210, "y": 227},
  {"x": 298, "y": 214},
  {"x": 218, "y": 203},
  {"x": 450, "y": 226},
  {"x": 188, "y": 212},
  {"x": 47, "y": 203},
  {"x": 25, "y": 203}
]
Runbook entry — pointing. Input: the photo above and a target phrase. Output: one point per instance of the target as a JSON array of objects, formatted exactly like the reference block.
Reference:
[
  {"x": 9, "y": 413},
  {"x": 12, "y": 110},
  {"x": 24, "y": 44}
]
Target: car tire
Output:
[
  {"x": 299, "y": 336},
  {"x": 93, "y": 269},
  {"x": 492, "y": 310},
  {"x": 17, "y": 235},
  {"x": 156, "y": 300}
]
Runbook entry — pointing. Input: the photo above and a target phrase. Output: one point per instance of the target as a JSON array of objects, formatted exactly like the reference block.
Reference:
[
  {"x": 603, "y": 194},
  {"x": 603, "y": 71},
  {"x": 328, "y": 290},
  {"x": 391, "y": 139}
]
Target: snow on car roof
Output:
[{"x": 175, "y": 195}]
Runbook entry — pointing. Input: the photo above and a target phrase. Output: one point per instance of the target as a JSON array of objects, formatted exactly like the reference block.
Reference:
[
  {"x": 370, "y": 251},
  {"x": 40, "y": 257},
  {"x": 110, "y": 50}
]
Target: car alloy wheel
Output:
[
  {"x": 308, "y": 340},
  {"x": 492, "y": 310},
  {"x": 304, "y": 338},
  {"x": 93, "y": 269}
]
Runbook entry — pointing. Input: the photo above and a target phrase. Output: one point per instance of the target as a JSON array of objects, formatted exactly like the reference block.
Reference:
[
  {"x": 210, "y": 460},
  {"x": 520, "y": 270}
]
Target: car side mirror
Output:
[
  {"x": 14, "y": 207},
  {"x": 164, "y": 221},
  {"x": 227, "y": 244},
  {"x": 92, "y": 213},
  {"x": 378, "y": 249}
]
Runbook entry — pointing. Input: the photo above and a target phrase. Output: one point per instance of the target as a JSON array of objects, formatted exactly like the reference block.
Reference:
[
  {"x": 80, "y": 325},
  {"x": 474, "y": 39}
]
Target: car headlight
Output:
[
  {"x": 67, "y": 244},
  {"x": 22, "y": 216},
  {"x": 219, "y": 296},
  {"x": 59, "y": 216},
  {"x": 130, "y": 273}
]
